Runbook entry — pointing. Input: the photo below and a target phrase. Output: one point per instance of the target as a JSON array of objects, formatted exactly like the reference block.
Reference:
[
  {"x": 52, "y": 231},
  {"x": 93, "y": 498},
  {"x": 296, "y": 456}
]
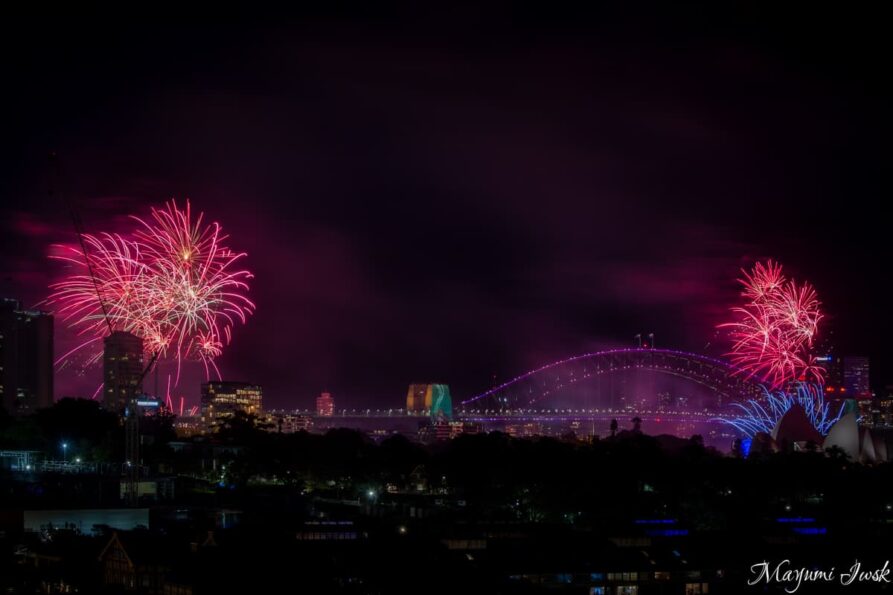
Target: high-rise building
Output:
[
  {"x": 325, "y": 405},
  {"x": 26, "y": 358},
  {"x": 224, "y": 397},
  {"x": 431, "y": 398},
  {"x": 832, "y": 367},
  {"x": 122, "y": 369},
  {"x": 855, "y": 377},
  {"x": 884, "y": 409}
]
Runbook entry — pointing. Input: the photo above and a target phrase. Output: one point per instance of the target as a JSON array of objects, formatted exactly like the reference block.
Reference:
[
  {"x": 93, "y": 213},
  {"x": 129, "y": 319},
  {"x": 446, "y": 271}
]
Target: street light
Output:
[{"x": 65, "y": 452}]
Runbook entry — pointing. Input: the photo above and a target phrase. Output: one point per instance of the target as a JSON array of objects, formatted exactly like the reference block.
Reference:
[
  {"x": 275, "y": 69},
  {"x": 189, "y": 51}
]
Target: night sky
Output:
[{"x": 454, "y": 195}]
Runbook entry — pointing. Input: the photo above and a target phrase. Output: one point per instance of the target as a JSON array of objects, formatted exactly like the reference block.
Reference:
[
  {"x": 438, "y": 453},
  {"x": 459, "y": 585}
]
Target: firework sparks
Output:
[
  {"x": 775, "y": 328},
  {"x": 763, "y": 415},
  {"x": 173, "y": 283}
]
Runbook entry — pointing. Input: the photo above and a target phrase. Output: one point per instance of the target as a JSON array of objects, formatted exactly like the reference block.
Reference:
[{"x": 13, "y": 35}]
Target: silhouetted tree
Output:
[
  {"x": 398, "y": 456},
  {"x": 5, "y": 418},
  {"x": 90, "y": 431},
  {"x": 156, "y": 432},
  {"x": 614, "y": 426},
  {"x": 837, "y": 454},
  {"x": 243, "y": 428}
]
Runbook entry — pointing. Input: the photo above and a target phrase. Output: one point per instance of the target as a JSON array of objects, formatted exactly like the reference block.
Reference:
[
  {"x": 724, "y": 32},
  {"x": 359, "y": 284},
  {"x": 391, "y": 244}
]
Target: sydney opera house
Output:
[{"x": 846, "y": 436}]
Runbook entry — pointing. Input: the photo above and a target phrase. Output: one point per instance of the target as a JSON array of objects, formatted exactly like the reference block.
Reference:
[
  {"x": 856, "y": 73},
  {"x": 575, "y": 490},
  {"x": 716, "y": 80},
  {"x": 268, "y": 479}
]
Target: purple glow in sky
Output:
[{"x": 427, "y": 200}]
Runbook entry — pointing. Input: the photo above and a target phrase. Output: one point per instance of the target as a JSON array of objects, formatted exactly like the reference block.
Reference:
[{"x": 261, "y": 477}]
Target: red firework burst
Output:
[
  {"x": 173, "y": 283},
  {"x": 775, "y": 327}
]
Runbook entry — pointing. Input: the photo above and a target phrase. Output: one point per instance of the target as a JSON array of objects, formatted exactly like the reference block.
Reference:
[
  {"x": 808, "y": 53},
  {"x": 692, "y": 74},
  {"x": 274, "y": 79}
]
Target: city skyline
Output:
[{"x": 398, "y": 237}]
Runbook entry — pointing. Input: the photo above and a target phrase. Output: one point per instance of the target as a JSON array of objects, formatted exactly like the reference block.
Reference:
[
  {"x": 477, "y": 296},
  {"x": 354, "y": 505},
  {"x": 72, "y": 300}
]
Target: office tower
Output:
[
  {"x": 223, "y": 397},
  {"x": 122, "y": 368},
  {"x": 26, "y": 358},
  {"x": 855, "y": 377},
  {"x": 833, "y": 375},
  {"x": 325, "y": 405}
]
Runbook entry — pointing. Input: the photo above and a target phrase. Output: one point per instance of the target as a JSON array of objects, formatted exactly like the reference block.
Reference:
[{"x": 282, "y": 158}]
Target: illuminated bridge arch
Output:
[{"x": 533, "y": 387}]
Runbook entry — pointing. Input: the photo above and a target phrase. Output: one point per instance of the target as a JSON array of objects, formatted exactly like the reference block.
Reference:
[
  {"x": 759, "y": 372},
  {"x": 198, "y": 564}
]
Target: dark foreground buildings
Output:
[{"x": 260, "y": 511}]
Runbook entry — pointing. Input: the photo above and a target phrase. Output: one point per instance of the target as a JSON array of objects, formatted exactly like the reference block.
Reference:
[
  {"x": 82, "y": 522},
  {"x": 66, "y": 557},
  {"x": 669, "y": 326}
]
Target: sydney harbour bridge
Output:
[
  {"x": 558, "y": 391},
  {"x": 537, "y": 389}
]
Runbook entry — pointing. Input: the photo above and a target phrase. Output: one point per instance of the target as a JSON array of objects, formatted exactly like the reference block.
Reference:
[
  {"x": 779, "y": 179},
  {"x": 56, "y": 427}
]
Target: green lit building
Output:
[{"x": 433, "y": 399}]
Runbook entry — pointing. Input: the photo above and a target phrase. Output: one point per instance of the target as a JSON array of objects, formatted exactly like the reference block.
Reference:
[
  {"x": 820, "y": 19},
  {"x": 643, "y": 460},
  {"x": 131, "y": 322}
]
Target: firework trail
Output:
[
  {"x": 763, "y": 415},
  {"x": 173, "y": 282},
  {"x": 775, "y": 328}
]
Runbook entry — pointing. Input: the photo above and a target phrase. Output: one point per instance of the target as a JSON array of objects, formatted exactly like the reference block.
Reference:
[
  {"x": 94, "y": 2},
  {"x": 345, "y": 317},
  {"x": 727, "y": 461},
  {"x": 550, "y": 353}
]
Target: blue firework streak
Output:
[{"x": 762, "y": 415}]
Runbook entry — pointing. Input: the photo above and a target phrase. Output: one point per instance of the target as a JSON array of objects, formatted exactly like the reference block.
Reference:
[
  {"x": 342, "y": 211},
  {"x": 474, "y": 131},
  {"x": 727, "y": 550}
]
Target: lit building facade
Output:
[
  {"x": 325, "y": 405},
  {"x": 833, "y": 375},
  {"x": 434, "y": 399},
  {"x": 26, "y": 358},
  {"x": 884, "y": 416},
  {"x": 290, "y": 423},
  {"x": 880, "y": 413},
  {"x": 442, "y": 429},
  {"x": 856, "y": 377},
  {"x": 122, "y": 369},
  {"x": 225, "y": 397}
]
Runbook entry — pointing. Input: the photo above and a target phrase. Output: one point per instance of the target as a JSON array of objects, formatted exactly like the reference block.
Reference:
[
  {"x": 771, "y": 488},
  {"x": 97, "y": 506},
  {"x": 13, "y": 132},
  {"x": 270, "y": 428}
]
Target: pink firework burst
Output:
[
  {"x": 775, "y": 328},
  {"x": 173, "y": 282}
]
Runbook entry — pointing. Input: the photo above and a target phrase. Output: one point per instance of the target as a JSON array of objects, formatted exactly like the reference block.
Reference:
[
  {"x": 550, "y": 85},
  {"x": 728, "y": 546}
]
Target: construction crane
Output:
[
  {"x": 132, "y": 438},
  {"x": 132, "y": 407}
]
